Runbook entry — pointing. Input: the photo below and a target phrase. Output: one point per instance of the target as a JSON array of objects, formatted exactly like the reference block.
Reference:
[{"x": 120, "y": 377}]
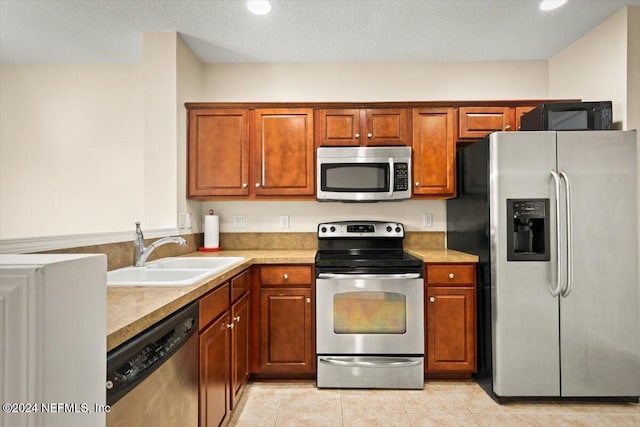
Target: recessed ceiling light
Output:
[
  {"x": 260, "y": 7},
  {"x": 551, "y": 4}
]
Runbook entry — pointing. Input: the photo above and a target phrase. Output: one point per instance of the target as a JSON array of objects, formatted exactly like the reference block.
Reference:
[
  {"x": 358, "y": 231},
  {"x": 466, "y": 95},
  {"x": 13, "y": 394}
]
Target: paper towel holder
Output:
[{"x": 210, "y": 249}]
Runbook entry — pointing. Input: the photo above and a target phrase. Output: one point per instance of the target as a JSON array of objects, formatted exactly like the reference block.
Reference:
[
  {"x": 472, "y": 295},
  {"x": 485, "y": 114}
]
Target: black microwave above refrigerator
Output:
[{"x": 569, "y": 116}]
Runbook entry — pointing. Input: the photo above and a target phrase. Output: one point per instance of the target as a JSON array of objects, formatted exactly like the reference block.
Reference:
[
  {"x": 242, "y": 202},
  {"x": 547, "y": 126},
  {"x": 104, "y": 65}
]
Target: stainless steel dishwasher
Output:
[{"x": 152, "y": 379}]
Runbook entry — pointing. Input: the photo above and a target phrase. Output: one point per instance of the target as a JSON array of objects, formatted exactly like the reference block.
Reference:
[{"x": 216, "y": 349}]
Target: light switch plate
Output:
[
  {"x": 427, "y": 219},
  {"x": 284, "y": 221}
]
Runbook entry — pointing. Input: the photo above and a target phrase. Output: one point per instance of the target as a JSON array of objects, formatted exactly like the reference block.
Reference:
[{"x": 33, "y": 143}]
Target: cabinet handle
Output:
[
  {"x": 308, "y": 300},
  {"x": 257, "y": 185},
  {"x": 245, "y": 185},
  {"x": 417, "y": 184},
  {"x": 507, "y": 127},
  {"x": 451, "y": 275},
  {"x": 286, "y": 276},
  {"x": 432, "y": 299},
  {"x": 357, "y": 135},
  {"x": 369, "y": 135},
  {"x": 237, "y": 319},
  {"x": 230, "y": 326}
]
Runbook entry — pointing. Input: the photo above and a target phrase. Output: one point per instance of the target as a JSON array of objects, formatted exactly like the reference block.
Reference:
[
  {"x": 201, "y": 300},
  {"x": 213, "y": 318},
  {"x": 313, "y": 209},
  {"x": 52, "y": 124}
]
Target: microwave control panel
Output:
[{"x": 401, "y": 177}]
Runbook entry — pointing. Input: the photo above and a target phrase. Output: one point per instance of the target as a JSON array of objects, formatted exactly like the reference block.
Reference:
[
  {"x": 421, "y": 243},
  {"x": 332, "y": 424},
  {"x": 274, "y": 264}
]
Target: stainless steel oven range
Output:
[{"x": 369, "y": 307}]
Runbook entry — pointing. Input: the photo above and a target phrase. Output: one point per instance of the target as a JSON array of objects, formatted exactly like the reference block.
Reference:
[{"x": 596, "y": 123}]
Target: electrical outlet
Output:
[
  {"x": 238, "y": 221},
  {"x": 427, "y": 219},
  {"x": 284, "y": 221}
]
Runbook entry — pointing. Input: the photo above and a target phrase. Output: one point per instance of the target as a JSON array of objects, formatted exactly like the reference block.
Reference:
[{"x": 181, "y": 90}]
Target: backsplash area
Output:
[{"x": 121, "y": 254}]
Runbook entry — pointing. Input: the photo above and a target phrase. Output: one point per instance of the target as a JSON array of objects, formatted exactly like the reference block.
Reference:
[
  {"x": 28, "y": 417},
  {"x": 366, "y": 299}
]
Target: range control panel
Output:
[{"x": 360, "y": 229}]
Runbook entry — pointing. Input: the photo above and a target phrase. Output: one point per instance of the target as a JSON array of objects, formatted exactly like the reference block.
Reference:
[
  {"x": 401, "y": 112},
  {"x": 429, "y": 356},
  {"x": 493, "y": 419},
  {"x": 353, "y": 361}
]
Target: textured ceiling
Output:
[{"x": 223, "y": 31}]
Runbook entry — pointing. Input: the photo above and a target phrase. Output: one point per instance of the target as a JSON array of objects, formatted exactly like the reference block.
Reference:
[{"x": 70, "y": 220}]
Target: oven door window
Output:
[
  {"x": 370, "y": 312},
  {"x": 350, "y": 177}
]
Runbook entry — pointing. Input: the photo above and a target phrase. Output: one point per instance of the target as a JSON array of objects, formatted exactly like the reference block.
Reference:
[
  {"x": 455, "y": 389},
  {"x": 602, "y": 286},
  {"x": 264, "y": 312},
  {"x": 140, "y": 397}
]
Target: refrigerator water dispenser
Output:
[{"x": 528, "y": 230}]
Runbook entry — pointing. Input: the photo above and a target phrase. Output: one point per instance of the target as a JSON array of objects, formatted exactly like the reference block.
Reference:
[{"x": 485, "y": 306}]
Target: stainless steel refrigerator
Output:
[{"x": 553, "y": 217}]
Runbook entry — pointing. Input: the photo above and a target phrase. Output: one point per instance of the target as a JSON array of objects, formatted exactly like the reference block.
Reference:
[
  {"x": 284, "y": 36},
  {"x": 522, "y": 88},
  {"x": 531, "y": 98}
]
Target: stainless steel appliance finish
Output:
[
  {"x": 153, "y": 378},
  {"x": 363, "y": 174},
  {"x": 564, "y": 324},
  {"x": 369, "y": 308}
]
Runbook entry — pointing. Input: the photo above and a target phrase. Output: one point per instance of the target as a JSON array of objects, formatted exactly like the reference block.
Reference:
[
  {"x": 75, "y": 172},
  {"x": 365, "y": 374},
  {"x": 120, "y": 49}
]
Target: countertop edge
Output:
[{"x": 181, "y": 296}]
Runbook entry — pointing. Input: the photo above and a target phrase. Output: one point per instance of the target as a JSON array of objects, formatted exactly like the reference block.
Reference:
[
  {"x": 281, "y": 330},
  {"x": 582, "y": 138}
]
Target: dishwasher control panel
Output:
[{"x": 136, "y": 359}]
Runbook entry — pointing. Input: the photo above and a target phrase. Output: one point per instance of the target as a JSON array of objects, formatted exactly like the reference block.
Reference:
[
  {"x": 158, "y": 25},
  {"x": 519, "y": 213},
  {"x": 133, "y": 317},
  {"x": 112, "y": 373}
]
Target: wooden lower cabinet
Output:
[
  {"x": 450, "y": 305},
  {"x": 239, "y": 348},
  {"x": 451, "y": 343},
  {"x": 286, "y": 342},
  {"x": 215, "y": 372}
]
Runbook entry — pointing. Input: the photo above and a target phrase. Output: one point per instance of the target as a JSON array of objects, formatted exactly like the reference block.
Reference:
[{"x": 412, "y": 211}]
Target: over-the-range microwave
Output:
[{"x": 363, "y": 174}]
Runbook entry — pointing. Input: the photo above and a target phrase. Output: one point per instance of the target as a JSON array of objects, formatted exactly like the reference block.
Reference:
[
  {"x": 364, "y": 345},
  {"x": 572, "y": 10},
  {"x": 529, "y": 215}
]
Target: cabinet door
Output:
[
  {"x": 478, "y": 122},
  {"x": 284, "y": 152},
  {"x": 386, "y": 126},
  {"x": 286, "y": 341},
  {"x": 239, "y": 348},
  {"x": 218, "y": 153},
  {"x": 337, "y": 127},
  {"x": 434, "y": 149},
  {"x": 214, "y": 373},
  {"x": 451, "y": 343}
]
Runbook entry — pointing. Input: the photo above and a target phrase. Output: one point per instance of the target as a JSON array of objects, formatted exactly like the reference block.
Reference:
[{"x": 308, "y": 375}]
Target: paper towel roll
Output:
[{"x": 211, "y": 231}]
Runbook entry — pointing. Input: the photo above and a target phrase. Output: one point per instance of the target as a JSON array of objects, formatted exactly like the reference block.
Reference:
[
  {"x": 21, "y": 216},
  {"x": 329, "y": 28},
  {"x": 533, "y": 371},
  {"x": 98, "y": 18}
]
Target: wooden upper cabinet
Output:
[
  {"x": 362, "y": 127},
  {"x": 284, "y": 152},
  {"x": 478, "y": 122},
  {"x": 218, "y": 153},
  {"x": 434, "y": 149}
]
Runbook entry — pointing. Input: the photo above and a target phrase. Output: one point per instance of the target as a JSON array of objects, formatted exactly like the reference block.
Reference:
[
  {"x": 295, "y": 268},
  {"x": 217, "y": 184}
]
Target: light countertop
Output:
[{"x": 131, "y": 310}]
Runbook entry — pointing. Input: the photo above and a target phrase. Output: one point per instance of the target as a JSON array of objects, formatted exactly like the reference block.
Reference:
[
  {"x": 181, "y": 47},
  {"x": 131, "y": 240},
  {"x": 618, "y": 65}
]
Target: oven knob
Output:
[
  {"x": 398, "y": 229},
  {"x": 323, "y": 229},
  {"x": 388, "y": 229},
  {"x": 332, "y": 229}
]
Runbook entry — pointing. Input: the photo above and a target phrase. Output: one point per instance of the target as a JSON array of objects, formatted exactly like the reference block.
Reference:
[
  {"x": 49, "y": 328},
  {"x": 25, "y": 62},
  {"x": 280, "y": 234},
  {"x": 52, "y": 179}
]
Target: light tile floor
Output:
[{"x": 441, "y": 403}]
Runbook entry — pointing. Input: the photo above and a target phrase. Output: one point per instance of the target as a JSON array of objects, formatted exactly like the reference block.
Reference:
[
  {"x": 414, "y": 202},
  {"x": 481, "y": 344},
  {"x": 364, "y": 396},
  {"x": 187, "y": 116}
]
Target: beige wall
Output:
[
  {"x": 88, "y": 149},
  {"x": 375, "y": 82},
  {"x": 71, "y": 149},
  {"x": 190, "y": 82},
  {"x": 633, "y": 68},
  {"x": 360, "y": 82},
  {"x": 594, "y": 67}
]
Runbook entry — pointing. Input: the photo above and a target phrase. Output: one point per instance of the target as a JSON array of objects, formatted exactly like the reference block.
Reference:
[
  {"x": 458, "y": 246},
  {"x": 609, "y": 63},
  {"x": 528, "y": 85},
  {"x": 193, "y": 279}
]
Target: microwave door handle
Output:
[{"x": 391, "y": 177}]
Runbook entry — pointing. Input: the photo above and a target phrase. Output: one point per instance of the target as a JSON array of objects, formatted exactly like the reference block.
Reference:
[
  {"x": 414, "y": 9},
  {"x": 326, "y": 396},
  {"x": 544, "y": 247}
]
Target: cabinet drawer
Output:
[
  {"x": 451, "y": 274},
  {"x": 240, "y": 285},
  {"x": 285, "y": 275},
  {"x": 214, "y": 304}
]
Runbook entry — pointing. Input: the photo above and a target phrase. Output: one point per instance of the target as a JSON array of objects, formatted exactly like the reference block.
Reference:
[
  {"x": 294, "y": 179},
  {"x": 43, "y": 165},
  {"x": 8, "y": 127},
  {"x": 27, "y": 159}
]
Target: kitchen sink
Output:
[
  {"x": 209, "y": 263},
  {"x": 171, "y": 271}
]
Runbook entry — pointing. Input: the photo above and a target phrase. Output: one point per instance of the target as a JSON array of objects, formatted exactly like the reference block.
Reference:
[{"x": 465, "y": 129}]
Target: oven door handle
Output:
[
  {"x": 369, "y": 276},
  {"x": 379, "y": 362}
]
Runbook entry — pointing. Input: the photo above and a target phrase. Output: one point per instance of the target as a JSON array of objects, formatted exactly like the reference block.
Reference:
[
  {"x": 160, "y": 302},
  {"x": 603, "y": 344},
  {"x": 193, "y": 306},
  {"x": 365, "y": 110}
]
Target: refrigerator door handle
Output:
[
  {"x": 567, "y": 185},
  {"x": 556, "y": 291}
]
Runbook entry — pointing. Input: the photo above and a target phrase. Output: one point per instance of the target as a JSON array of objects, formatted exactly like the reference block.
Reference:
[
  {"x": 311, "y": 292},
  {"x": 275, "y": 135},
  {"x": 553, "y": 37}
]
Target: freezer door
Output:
[
  {"x": 599, "y": 318},
  {"x": 525, "y": 335}
]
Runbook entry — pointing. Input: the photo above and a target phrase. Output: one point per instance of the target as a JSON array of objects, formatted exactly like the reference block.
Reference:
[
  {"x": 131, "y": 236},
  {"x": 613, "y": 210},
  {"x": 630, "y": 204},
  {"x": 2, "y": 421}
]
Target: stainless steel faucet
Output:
[{"x": 140, "y": 253}]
